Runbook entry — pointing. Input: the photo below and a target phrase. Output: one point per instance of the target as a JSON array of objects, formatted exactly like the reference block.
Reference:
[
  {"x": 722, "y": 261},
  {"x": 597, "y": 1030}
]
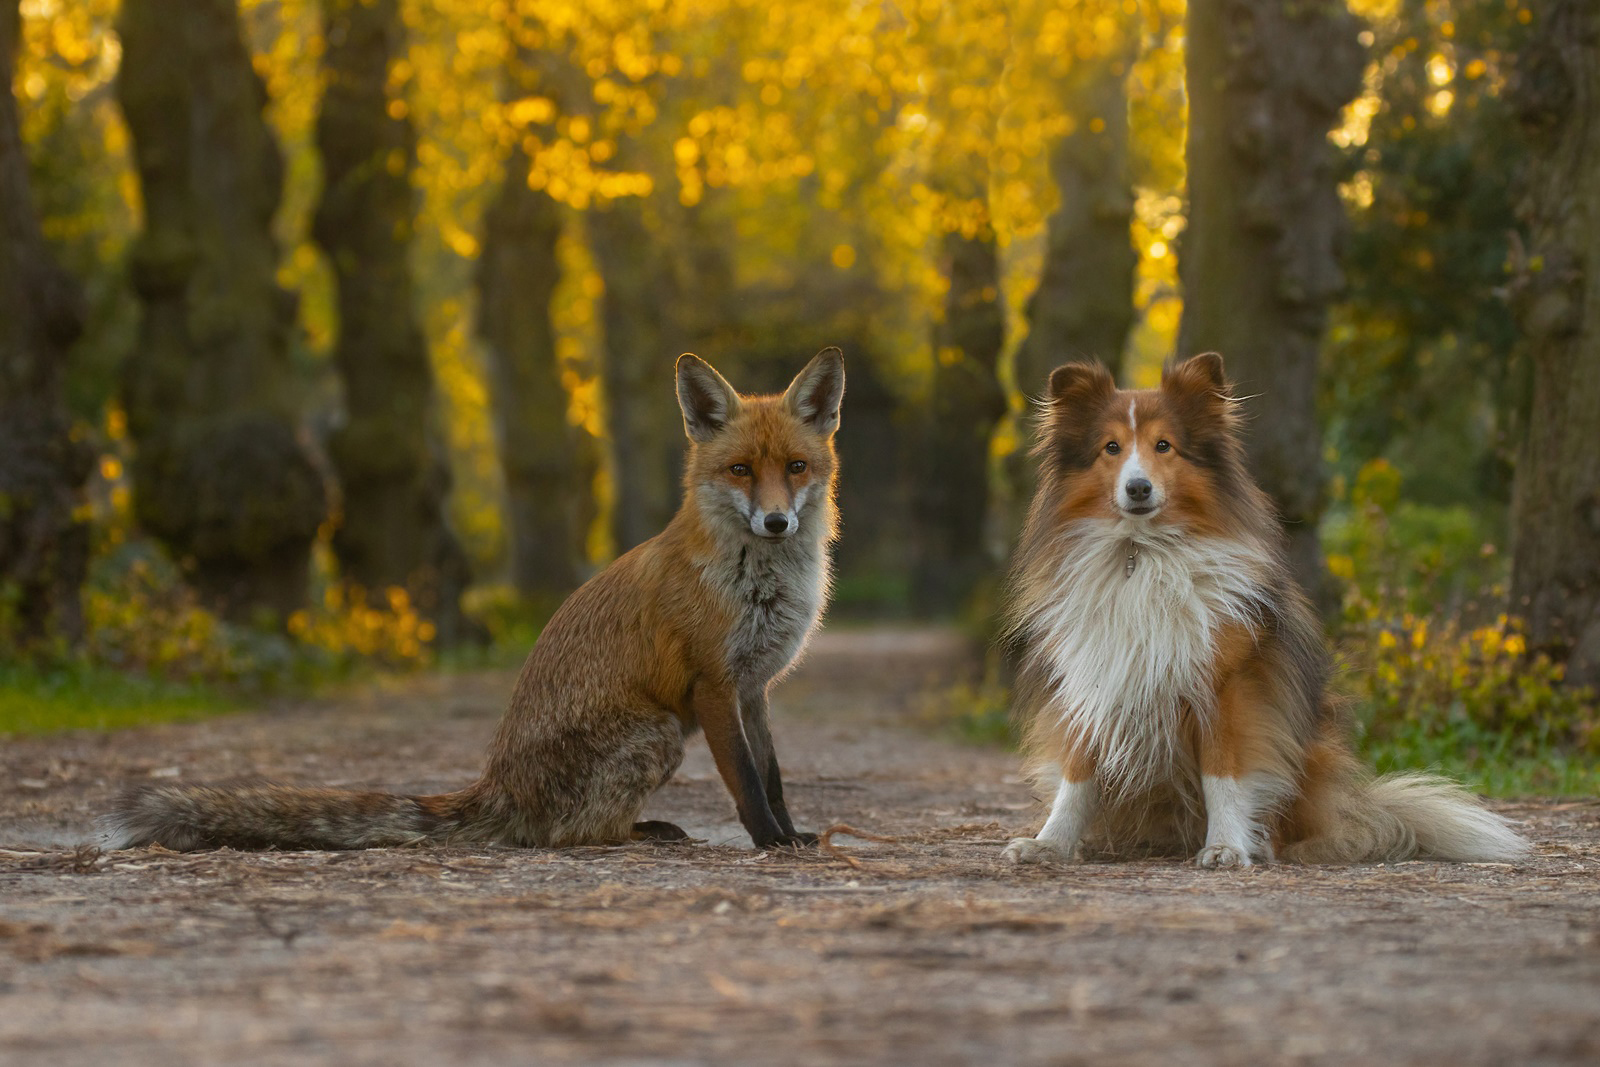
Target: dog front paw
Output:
[
  {"x": 1033, "y": 850},
  {"x": 1213, "y": 857}
]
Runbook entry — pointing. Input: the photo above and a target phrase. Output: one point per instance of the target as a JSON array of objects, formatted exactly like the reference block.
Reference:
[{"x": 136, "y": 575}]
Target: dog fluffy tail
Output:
[
  {"x": 1444, "y": 820},
  {"x": 269, "y": 815},
  {"x": 1357, "y": 818}
]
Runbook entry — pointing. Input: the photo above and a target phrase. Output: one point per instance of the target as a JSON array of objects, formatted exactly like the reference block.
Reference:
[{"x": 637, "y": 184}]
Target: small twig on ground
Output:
[
  {"x": 825, "y": 842},
  {"x": 84, "y": 859}
]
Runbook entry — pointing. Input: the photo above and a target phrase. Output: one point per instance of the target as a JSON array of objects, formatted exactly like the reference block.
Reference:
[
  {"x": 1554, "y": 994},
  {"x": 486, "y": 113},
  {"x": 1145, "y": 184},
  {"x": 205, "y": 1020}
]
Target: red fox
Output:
[{"x": 688, "y": 630}]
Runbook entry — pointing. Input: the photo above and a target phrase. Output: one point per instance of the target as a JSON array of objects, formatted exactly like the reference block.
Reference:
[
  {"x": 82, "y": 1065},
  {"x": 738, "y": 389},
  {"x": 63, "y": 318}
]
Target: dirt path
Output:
[{"x": 929, "y": 953}]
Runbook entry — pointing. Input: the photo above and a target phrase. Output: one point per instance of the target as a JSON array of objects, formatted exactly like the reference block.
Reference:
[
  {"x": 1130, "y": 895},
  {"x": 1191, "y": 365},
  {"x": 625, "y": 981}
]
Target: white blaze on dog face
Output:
[{"x": 1139, "y": 493}]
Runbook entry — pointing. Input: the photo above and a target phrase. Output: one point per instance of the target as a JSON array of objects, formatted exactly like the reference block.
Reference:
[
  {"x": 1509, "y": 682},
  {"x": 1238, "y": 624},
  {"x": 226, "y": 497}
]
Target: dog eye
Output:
[
  {"x": 1113, "y": 448},
  {"x": 797, "y": 466},
  {"x": 1163, "y": 446},
  {"x": 740, "y": 470}
]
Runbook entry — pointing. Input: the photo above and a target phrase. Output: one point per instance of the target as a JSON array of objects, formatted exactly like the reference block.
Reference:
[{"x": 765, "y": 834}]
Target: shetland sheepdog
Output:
[{"x": 1172, "y": 680}]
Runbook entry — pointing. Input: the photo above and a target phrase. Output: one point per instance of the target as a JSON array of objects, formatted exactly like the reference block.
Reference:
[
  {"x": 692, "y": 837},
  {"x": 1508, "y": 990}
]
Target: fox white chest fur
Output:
[
  {"x": 1125, "y": 651},
  {"x": 776, "y": 592}
]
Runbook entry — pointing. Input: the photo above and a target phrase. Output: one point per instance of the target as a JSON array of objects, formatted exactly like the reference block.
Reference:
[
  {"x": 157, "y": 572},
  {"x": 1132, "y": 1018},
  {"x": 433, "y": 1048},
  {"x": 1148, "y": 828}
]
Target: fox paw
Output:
[
  {"x": 1215, "y": 856},
  {"x": 1033, "y": 850},
  {"x": 797, "y": 840},
  {"x": 657, "y": 830}
]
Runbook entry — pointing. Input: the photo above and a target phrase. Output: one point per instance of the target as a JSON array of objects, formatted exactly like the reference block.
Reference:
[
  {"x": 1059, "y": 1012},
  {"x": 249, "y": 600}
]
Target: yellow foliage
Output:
[
  {"x": 1417, "y": 665},
  {"x": 829, "y": 132},
  {"x": 383, "y": 629}
]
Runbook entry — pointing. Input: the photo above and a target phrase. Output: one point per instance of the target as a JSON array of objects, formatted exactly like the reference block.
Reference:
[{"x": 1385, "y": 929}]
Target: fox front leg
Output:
[
  {"x": 716, "y": 708},
  {"x": 758, "y": 731}
]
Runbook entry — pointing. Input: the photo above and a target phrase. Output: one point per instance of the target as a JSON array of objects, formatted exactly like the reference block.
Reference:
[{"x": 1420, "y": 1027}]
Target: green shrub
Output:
[{"x": 1437, "y": 673}]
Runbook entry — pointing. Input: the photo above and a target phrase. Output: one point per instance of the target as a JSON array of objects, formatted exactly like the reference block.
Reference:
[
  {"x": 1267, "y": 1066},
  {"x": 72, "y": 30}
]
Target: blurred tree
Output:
[
  {"x": 1556, "y": 505},
  {"x": 1419, "y": 366},
  {"x": 44, "y": 462},
  {"x": 1259, "y": 259},
  {"x": 951, "y": 495},
  {"x": 645, "y": 427},
  {"x": 392, "y": 472},
  {"x": 221, "y": 474},
  {"x": 546, "y": 491},
  {"x": 79, "y": 158},
  {"x": 1083, "y": 306}
]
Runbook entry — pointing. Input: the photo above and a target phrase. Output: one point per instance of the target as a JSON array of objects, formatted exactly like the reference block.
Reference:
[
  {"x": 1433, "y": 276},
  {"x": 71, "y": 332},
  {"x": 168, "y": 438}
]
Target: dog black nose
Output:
[
  {"x": 1138, "y": 489},
  {"x": 776, "y": 523}
]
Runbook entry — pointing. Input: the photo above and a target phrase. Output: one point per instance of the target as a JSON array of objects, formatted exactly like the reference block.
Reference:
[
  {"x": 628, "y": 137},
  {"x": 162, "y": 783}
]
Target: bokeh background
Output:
[{"x": 338, "y": 334}]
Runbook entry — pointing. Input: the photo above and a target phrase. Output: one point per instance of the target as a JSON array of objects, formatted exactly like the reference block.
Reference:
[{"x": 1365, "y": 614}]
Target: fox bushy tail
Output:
[
  {"x": 270, "y": 815},
  {"x": 1405, "y": 816}
]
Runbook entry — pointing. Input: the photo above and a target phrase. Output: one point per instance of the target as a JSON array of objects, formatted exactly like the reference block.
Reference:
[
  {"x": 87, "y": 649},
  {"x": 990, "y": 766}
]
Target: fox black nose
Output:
[
  {"x": 776, "y": 522},
  {"x": 1138, "y": 489}
]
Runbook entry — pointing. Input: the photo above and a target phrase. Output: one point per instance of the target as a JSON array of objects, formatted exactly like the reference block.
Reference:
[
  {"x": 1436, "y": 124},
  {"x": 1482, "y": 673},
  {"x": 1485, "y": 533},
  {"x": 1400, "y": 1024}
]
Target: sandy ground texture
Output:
[{"x": 923, "y": 950}]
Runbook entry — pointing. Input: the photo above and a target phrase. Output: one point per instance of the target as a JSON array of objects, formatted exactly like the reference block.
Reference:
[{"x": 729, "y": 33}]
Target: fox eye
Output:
[
  {"x": 1113, "y": 448},
  {"x": 1163, "y": 446},
  {"x": 740, "y": 470},
  {"x": 796, "y": 466}
]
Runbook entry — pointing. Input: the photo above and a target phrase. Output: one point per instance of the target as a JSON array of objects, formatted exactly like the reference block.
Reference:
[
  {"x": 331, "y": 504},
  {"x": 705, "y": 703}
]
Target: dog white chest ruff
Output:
[{"x": 1126, "y": 633}]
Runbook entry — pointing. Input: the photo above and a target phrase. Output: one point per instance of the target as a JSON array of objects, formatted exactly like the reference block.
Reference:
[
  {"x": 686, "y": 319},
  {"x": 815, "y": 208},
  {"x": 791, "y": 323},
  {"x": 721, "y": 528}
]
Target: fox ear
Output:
[
  {"x": 1201, "y": 375},
  {"x": 816, "y": 392},
  {"x": 1074, "y": 385},
  {"x": 705, "y": 396}
]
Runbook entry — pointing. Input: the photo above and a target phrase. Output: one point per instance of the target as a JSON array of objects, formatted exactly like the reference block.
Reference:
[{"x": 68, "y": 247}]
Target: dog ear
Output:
[
  {"x": 707, "y": 400},
  {"x": 1200, "y": 375},
  {"x": 1075, "y": 385},
  {"x": 1200, "y": 397},
  {"x": 817, "y": 392}
]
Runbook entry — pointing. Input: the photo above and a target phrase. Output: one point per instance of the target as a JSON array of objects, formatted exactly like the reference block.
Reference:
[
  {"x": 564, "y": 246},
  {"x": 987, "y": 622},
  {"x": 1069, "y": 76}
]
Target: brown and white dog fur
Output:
[
  {"x": 687, "y": 631},
  {"x": 1173, "y": 675}
]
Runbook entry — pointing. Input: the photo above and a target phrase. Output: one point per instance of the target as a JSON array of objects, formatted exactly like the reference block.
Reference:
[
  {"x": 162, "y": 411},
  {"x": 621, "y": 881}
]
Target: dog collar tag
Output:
[{"x": 1133, "y": 555}]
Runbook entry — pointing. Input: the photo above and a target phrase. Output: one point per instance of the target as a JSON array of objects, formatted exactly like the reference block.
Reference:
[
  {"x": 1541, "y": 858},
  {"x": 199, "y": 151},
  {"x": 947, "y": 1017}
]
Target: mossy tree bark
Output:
[
  {"x": 221, "y": 473},
  {"x": 392, "y": 471},
  {"x": 547, "y": 482},
  {"x": 44, "y": 542},
  {"x": 951, "y": 494},
  {"x": 1259, "y": 260},
  {"x": 1555, "y": 583}
]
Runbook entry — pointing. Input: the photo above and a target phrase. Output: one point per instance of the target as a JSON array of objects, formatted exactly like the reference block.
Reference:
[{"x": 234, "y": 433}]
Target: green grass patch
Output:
[
  {"x": 76, "y": 697},
  {"x": 1496, "y": 763}
]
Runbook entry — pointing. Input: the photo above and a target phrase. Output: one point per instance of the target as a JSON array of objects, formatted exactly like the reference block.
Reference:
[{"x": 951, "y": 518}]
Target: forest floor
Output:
[{"x": 923, "y": 950}]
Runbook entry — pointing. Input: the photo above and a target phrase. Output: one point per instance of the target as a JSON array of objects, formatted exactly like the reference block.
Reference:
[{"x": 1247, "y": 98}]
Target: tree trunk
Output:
[
  {"x": 950, "y": 499},
  {"x": 1083, "y": 307},
  {"x": 641, "y": 401},
  {"x": 539, "y": 450},
  {"x": 875, "y": 480},
  {"x": 1555, "y": 582},
  {"x": 391, "y": 467},
  {"x": 1259, "y": 261},
  {"x": 44, "y": 540},
  {"x": 221, "y": 474}
]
